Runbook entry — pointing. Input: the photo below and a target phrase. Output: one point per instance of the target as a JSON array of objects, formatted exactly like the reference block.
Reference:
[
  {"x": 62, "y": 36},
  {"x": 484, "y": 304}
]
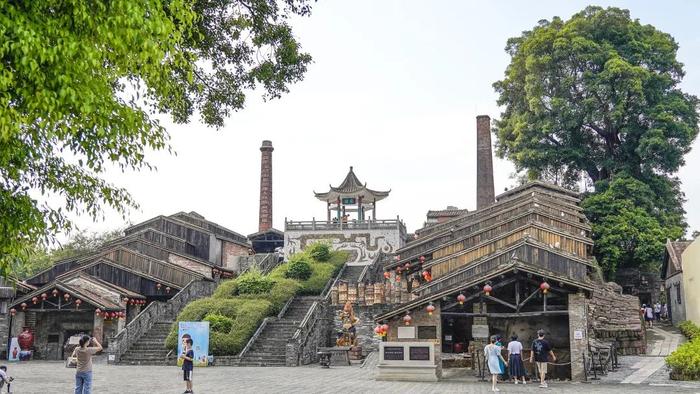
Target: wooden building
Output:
[{"x": 100, "y": 293}]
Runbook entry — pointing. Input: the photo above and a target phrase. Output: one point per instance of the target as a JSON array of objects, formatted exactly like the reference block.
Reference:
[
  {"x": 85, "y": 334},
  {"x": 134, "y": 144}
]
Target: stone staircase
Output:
[
  {"x": 270, "y": 347},
  {"x": 150, "y": 348},
  {"x": 352, "y": 273}
]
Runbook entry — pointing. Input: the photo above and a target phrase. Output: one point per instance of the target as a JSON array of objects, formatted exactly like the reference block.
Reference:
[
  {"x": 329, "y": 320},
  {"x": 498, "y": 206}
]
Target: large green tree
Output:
[
  {"x": 81, "y": 84},
  {"x": 598, "y": 96}
]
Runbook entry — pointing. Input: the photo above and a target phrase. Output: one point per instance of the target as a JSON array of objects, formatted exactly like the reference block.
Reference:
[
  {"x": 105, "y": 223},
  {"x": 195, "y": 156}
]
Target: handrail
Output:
[
  {"x": 331, "y": 283},
  {"x": 253, "y": 338},
  {"x": 285, "y": 307}
]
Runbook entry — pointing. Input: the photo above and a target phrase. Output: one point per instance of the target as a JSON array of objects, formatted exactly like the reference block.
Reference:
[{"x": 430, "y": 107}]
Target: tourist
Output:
[
  {"x": 493, "y": 360},
  {"x": 515, "y": 361},
  {"x": 187, "y": 357},
  {"x": 649, "y": 316},
  {"x": 83, "y": 355},
  {"x": 657, "y": 311},
  {"x": 540, "y": 351},
  {"x": 664, "y": 311},
  {"x": 4, "y": 378},
  {"x": 504, "y": 372}
]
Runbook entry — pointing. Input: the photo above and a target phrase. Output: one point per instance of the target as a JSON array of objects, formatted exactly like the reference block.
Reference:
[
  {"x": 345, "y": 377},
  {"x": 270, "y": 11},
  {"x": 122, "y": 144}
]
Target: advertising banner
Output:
[
  {"x": 13, "y": 351},
  {"x": 199, "y": 332}
]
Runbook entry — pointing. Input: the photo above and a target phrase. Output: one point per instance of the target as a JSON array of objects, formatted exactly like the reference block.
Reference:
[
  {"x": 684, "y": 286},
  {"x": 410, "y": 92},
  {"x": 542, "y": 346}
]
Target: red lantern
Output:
[
  {"x": 35, "y": 300},
  {"x": 78, "y": 302},
  {"x": 385, "y": 328},
  {"x": 167, "y": 289},
  {"x": 23, "y": 305},
  {"x": 487, "y": 289},
  {"x": 407, "y": 319},
  {"x": 544, "y": 286},
  {"x": 66, "y": 296},
  {"x": 397, "y": 257},
  {"x": 398, "y": 278},
  {"x": 378, "y": 330},
  {"x": 430, "y": 308},
  {"x": 421, "y": 259},
  {"x": 98, "y": 311},
  {"x": 126, "y": 300},
  {"x": 461, "y": 298},
  {"x": 13, "y": 311},
  {"x": 407, "y": 265},
  {"x": 44, "y": 296},
  {"x": 387, "y": 275},
  {"x": 55, "y": 292},
  {"x": 158, "y": 286},
  {"x": 427, "y": 276}
]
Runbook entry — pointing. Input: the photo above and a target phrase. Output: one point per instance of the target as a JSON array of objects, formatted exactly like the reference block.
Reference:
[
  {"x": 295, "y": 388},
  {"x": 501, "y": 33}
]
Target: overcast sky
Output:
[{"x": 393, "y": 91}]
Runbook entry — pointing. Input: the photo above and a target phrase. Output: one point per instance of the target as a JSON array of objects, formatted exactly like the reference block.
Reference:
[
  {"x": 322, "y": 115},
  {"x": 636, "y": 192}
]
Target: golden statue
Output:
[{"x": 348, "y": 336}]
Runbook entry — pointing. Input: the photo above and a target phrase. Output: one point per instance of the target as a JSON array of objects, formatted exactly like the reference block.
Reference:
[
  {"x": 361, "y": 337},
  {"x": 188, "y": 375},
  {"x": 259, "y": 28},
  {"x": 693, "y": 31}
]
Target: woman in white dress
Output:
[{"x": 493, "y": 355}]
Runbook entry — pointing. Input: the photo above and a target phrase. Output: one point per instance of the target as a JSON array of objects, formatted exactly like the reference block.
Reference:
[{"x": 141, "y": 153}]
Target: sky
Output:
[{"x": 393, "y": 91}]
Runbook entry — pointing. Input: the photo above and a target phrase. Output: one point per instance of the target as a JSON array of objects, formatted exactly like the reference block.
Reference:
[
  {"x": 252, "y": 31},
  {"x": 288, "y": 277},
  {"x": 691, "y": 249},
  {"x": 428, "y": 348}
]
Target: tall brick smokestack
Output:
[
  {"x": 485, "y": 194},
  {"x": 265, "y": 219}
]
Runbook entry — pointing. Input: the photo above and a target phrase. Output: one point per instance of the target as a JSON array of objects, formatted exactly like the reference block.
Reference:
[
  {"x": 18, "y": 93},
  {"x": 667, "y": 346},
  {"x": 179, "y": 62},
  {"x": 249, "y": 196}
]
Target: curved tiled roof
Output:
[{"x": 351, "y": 187}]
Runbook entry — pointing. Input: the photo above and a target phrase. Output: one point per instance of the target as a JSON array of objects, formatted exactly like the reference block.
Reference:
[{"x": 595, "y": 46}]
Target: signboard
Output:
[
  {"x": 419, "y": 353},
  {"x": 348, "y": 201},
  {"x": 13, "y": 351},
  {"x": 480, "y": 331},
  {"x": 407, "y": 332},
  {"x": 427, "y": 332},
  {"x": 199, "y": 332},
  {"x": 393, "y": 353},
  {"x": 578, "y": 334}
]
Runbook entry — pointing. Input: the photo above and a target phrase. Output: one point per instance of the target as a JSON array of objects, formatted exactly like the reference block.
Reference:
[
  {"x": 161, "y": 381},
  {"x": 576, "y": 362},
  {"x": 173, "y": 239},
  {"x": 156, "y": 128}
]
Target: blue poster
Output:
[
  {"x": 13, "y": 351},
  {"x": 199, "y": 332}
]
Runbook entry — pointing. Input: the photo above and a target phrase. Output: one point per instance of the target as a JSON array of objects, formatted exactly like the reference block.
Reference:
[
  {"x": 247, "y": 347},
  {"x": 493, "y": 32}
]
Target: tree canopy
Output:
[
  {"x": 81, "y": 84},
  {"x": 598, "y": 96}
]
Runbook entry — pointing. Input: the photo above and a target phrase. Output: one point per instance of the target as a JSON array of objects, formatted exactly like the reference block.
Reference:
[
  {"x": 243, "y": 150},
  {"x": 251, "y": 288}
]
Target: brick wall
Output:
[
  {"x": 615, "y": 317},
  {"x": 190, "y": 264},
  {"x": 230, "y": 254}
]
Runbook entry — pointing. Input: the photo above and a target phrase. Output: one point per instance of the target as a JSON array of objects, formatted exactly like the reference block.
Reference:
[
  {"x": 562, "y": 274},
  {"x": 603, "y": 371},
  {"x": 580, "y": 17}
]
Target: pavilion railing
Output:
[{"x": 317, "y": 225}]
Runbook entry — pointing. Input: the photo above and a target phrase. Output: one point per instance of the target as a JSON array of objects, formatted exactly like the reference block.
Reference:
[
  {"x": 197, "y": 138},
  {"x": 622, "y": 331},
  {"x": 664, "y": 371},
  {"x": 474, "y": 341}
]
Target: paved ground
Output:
[{"x": 643, "y": 374}]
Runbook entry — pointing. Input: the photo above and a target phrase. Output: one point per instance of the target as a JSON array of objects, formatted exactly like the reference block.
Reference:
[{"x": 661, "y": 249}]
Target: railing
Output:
[
  {"x": 314, "y": 225},
  {"x": 268, "y": 262},
  {"x": 154, "y": 312},
  {"x": 261, "y": 328}
]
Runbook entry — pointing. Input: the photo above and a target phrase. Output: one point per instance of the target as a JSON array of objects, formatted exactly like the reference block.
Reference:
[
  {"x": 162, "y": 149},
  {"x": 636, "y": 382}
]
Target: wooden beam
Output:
[
  {"x": 508, "y": 304},
  {"x": 478, "y": 294},
  {"x": 534, "y": 293},
  {"x": 544, "y": 302},
  {"x": 507, "y": 315},
  {"x": 517, "y": 295}
]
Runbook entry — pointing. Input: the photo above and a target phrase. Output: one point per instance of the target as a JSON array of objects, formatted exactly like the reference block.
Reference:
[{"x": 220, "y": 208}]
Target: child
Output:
[
  {"x": 4, "y": 378},
  {"x": 187, "y": 364}
]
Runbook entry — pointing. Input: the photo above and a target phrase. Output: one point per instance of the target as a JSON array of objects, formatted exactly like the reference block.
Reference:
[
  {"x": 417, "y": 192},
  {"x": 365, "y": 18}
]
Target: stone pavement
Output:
[
  {"x": 52, "y": 377},
  {"x": 645, "y": 374}
]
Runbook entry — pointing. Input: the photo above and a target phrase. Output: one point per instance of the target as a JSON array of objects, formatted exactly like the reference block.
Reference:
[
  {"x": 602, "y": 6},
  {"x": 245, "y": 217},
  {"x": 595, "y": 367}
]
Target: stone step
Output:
[{"x": 261, "y": 364}]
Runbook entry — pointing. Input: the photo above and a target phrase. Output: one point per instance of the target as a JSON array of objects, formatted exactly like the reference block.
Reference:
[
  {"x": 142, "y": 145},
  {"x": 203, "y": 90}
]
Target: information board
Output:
[
  {"x": 427, "y": 332},
  {"x": 393, "y": 353},
  {"x": 198, "y": 331},
  {"x": 419, "y": 353}
]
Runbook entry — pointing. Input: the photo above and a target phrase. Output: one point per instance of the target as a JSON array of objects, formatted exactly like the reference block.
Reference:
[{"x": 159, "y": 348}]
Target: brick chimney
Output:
[
  {"x": 485, "y": 194},
  {"x": 265, "y": 219}
]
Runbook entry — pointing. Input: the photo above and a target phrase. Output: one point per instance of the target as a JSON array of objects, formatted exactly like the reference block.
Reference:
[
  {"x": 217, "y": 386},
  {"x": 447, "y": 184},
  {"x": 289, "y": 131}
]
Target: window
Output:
[{"x": 678, "y": 292}]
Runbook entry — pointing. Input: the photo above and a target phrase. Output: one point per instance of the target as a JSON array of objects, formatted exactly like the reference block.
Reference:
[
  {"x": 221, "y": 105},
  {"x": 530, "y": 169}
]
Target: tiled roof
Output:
[
  {"x": 675, "y": 253},
  {"x": 446, "y": 213},
  {"x": 350, "y": 186}
]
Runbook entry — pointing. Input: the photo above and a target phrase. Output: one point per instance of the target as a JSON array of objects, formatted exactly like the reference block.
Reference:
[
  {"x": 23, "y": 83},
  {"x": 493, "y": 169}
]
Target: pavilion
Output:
[{"x": 351, "y": 196}]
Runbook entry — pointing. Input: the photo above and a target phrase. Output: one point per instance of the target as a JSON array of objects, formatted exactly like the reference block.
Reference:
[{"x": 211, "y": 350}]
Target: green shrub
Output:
[
  {"x": 689, "y": 329},
  {"x": 253, "y": 282},
  {"x": 319, "y": 251},
  {"x": 226, "y": 289},
  {"x": 219, "y": 323},
  {"x": 299, "y": 269},
  {"x": 685, "y": 361},
  {"x": 246, "y": 315}
]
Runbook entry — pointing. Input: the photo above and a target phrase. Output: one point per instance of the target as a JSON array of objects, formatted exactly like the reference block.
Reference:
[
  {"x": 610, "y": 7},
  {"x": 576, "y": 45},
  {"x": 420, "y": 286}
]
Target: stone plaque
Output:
[
  {"x": 427, "y": 332},
  {"x": 407, "y": 332},
  {"x": 480, "y": 331},
  {"x": 419, "y": 353},
  {"x": 393, "y": 353}
]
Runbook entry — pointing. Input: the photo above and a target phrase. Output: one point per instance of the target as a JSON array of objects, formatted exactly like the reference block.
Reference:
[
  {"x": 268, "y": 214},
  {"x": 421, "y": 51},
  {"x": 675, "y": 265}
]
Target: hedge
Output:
[
  {"x": 689, "y": 329},
  {"x": 685, "y": 361},
  {"x": 243, "y": 303}
]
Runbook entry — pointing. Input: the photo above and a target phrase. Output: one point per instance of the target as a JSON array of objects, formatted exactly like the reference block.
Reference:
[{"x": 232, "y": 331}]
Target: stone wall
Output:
[
  {"x": 613, "y": 316},
  {"x": 645, "y": 285},
  {"x": 365, "y": 327},
  {"x": 363, "y": 245},
  {"x": 52, "y": 330}
]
